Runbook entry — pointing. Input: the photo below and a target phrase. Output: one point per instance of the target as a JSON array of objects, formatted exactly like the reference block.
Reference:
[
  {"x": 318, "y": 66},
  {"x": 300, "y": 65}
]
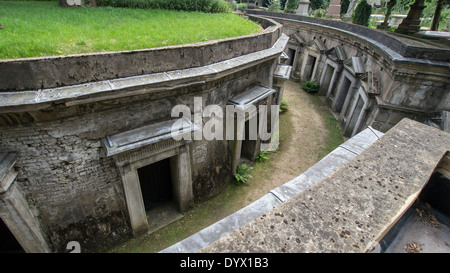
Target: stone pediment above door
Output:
[
  {"x": 337, "y": 54},
  {"x": 148, "y": 139},
  {"x": 250, "y": 97}
]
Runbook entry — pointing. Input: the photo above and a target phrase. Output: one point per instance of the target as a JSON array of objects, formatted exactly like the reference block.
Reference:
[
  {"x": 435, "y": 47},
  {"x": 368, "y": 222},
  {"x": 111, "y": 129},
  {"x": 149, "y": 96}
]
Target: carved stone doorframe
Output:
[
  {"x": 144, "y": 146},
  {"x": 14, "y": 209}
]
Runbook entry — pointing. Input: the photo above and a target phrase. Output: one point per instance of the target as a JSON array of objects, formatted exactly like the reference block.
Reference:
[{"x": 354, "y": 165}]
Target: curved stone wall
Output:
[
  {"x": 61, "y": 115},
  {"x": 368, "y": 77},
  {"x": 56, "y": 71}
]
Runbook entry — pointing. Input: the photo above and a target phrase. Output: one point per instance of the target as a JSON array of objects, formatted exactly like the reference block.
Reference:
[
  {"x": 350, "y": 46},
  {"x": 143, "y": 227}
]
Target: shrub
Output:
[
  {"x": 242, "y": 174},
  {"x": 212, "y": 6},
  {"x": 275, "y": 6},
  {"x": 283, "y": 106},
  {"x": 242, "y": 6},
  {"x": 291, "y": 6},
  {"x": 320, "y": 13},
  {"x": 262, "y": 156},
  {"x": 361, "y": 14},
  {"x": 233, "y": 5},
  {"x": 311, "y": 86},
  {"x": 319, "y": 4}
]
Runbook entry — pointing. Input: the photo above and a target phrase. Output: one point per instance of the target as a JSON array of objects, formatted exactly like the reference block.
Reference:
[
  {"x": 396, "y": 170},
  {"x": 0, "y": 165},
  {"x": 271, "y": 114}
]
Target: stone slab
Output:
[
  {"x": 282, "y": 71},
  {"x": 251, "y": 96},
  {"x": 146, "y": 135},
  {"x": 275, "y": 197},
  {"x": 351, "y": 209}
]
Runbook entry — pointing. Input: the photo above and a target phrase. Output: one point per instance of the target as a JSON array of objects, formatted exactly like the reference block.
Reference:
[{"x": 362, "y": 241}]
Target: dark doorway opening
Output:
[
  {"x": 343, "y": 95},
  {"x": 156, "y": 184},
  {"x": 8, "y": 243},
  {"x": 310, "y": 65},
  {"x": 326, "y": 80},
  {"x": 291, "y": 54},
  {"x": 249, "y": 142}
]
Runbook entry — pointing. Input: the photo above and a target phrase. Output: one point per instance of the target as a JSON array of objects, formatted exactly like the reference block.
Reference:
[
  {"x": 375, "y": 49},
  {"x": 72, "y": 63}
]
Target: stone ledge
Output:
[
  {"x": 265, "y": 204},
  {"x": 407, "y": 48},
  {"x": 84, "y": 93},
  {"x": 353, "y": 208}
]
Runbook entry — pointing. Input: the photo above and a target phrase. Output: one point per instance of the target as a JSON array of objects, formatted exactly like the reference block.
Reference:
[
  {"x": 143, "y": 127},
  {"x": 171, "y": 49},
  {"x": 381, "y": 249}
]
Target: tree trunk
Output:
[{"x": 437, "y": 15}]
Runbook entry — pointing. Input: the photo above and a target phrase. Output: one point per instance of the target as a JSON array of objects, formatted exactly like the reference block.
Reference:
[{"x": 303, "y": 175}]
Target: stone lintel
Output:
[
  {"x": 251, "y": 96},
  {"x": 146, "y": 135}
]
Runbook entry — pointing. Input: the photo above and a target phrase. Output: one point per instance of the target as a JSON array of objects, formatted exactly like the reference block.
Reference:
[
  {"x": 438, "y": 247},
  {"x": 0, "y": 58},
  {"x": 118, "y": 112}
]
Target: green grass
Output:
[
  {"x": 43, "y": 28},
  {"x": 334, "y": 137}
]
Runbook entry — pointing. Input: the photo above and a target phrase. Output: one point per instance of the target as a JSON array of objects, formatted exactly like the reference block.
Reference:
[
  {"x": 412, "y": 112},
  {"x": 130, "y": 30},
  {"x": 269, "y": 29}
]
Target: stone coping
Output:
[
  {"x": 352, "y": 208},
  {"x": 146, "y": 135},
  {"x": 341, "y": 155},
  {"x": 406, "y": 49},
  {"x": 56, "y": 71},
  {"x": 156, "y": 82},
  {"x": 251, "y": 96}
]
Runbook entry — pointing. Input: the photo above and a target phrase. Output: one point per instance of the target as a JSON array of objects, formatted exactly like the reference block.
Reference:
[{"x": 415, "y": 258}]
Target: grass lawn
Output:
[{"x": 43, "y": 28}]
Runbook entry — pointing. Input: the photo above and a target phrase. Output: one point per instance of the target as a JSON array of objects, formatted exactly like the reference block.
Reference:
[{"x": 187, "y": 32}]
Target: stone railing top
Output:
[
  {"x": 405, "y": 46},
  {"x": 354, "y": 207},
  {"x": 18, "y": 101}
]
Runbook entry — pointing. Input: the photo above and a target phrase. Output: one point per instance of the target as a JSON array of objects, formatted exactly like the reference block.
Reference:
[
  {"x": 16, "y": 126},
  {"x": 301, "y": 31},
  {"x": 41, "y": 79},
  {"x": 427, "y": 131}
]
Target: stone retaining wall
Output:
[{"x": 56, "y": 113}]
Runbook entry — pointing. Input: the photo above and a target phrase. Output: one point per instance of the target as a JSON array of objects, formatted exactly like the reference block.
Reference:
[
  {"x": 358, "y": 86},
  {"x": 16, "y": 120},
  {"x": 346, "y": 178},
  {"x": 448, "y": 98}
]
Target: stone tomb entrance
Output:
[
  {"x": 156, "y": 173},
  {"x": 19, "y": 229},
  {"x": 245, "y": 144}
]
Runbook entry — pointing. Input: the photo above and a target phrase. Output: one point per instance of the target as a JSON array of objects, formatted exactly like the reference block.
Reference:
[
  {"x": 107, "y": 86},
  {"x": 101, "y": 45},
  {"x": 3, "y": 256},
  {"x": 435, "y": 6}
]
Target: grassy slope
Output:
[{"x": 43, "y": 28}]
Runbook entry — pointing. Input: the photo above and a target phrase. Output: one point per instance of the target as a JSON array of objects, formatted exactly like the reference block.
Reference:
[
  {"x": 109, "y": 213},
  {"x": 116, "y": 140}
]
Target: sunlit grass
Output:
[{"x": 43, "y": 28}]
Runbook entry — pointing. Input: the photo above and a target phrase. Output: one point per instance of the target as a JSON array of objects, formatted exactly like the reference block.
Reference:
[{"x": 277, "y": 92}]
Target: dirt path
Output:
[{"x": 300, "y": 147}]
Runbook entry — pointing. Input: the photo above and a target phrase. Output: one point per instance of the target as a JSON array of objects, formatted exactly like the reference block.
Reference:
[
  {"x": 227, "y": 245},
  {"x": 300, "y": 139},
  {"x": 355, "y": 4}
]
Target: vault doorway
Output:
[
  {"x": 8, "y": 243},
  {"x": 248, "y": 149},
  {"x": 158, "y": 193},
  {"x": 156, "y": 184}
]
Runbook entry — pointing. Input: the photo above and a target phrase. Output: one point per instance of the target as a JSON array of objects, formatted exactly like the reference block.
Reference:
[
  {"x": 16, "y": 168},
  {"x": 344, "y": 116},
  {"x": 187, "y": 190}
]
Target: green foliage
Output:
[
  {"x": 402, "y": 6},
  {"x": 241, "y": 6},
  {"x": 344, "y": 6},
  {"x": 320, "y": 13},
  {"x": 311, "y": 86},
  {"x": 242, "y": 174},
  {"x": 233, "y": 5},
  {"x": 319, "y": 4},
  {"x": 275, "y": 6},
  {"x": 262, "y": 156},
  {"x": 283, "y": 106},
  {"x": 361, "y": 14},
  {"x": 212, "y": 6},
  {"x": 291, "y": 6}
]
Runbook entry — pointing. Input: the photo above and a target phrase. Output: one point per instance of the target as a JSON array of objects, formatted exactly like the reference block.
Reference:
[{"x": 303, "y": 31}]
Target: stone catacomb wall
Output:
[
  {"x": 81, "y": 126},
  {"x": 368, "y": 77}
]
